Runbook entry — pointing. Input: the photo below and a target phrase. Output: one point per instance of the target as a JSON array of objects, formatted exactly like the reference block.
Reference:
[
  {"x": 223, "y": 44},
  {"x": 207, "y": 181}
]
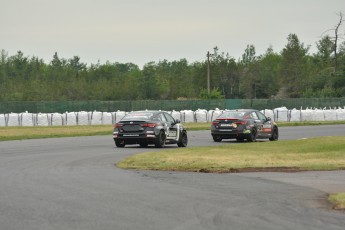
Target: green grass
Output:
[
  {"x": 326, "y": 153},
  {"x": 338, "y": 200},
  {"x": 36, "y": 132}
]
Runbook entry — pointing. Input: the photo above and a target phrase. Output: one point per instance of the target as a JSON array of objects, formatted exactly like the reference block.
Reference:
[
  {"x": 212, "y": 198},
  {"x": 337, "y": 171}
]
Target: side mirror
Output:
[
  {"x": 268, "y": 119},
  {"x": 177, "y": 121}
]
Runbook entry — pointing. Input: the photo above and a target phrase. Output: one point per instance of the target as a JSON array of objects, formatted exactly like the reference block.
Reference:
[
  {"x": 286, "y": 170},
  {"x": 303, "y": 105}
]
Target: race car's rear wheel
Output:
[
  {"x": 217, "y": 138},
  {"x": 252, "y": 136},
  {"x": 160, "y": 141},
  {"x": 275, "y": 134},
  {"x": 183, "y": 141},
  {"x": 119, "y": 143}
]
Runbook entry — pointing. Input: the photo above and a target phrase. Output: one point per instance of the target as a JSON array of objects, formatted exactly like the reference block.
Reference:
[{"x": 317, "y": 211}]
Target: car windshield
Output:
[
  {"x": 138, "y": 116},
  {"x": 232, "y": 114}
]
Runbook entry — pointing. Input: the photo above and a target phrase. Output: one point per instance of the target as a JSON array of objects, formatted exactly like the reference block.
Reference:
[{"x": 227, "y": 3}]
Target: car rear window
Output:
[
  {"x": 138, "y": 116},
  {"x": 232, "y": 114}
]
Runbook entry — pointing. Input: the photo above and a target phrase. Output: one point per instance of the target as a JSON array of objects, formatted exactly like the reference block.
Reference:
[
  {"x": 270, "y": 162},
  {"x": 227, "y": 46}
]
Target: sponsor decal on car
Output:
[
  {"x": 131, "y": 135},
  {"x": 172, "y": 133}
]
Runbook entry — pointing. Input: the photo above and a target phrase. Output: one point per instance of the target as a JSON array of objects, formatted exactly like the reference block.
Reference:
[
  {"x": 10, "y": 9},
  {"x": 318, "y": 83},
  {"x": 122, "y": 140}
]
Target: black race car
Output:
[
  {"x": 149, "y": 127},
  {"x": 243, "y": 124}
]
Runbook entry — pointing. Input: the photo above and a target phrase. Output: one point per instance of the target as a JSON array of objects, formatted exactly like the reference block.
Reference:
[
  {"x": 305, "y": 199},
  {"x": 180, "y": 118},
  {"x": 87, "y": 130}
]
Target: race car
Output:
[
  {"x": 243, "y": 124},
  {"x": 149, "y": 127}
]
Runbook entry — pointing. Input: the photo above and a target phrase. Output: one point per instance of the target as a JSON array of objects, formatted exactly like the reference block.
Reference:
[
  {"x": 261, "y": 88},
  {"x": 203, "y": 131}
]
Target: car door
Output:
[
  {"x": 266, "y": 128},
  {"x": 173, "y": 132},
  {"x": 258, "y": 123},
  {"x": 165, "y": 123}
]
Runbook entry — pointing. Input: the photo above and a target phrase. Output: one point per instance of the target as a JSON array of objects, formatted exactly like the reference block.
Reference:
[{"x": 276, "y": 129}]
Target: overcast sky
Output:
[{"x": 140, "y": 31}]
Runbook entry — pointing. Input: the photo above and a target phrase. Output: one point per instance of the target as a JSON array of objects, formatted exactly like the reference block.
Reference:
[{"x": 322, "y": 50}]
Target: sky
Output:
[{"x": 142, "y": 31}]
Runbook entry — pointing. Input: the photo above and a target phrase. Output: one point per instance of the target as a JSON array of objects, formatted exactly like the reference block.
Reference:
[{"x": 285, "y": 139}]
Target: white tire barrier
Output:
[
  {"x": 83, "y": 118},
  {"x": 13, "y": 119},
  {"x": 201, "y": 116},
  {"x": 107, "y": 118},
  {"x": 42, "y": 119},
  {"x": 186, "y": 116},
  {"x": 295, "y": 115},
  {"x": 281, "y": 114},
  {"x": 340, "y": 114},
  {"x": 2, "y": 120},
  {"x": 56, "y": 119},
  {"x": 27, "y": 119},
  {"x": 96, "y": 118},
  {"x": 119, "y": 115},
  {"x": 71, "y": 118}
]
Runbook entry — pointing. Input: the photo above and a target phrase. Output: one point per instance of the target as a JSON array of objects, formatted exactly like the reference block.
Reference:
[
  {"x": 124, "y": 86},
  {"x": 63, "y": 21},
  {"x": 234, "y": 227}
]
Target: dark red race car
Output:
[{"x": 244, "y": 124}]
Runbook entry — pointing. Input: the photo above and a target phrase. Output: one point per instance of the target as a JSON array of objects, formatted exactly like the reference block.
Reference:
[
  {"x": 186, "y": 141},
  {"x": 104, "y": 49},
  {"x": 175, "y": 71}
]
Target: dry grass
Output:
[{"x": 18, "y": 133}]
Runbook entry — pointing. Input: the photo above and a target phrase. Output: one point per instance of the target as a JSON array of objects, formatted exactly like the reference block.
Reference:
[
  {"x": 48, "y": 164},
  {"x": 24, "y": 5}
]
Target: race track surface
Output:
[{"x": 73, "y": 183}]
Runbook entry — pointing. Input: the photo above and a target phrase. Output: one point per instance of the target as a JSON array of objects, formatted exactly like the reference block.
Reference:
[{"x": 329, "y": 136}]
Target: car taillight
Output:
[
  {"x": 215, "y": 122},
  {"x": 118, "y": 125},
  {"x": 241, "y": 122},
  {"x": 151, "y": 125}
]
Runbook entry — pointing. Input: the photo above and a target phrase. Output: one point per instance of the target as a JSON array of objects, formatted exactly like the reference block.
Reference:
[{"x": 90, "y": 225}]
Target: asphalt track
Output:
[{"x": 73, "y": 183}]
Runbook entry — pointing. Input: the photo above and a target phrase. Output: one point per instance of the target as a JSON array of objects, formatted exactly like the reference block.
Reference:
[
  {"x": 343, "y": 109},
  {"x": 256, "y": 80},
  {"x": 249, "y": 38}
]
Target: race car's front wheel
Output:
[
  {"x": 275, "y": 134},
  {"x": 183, "y": 141}
]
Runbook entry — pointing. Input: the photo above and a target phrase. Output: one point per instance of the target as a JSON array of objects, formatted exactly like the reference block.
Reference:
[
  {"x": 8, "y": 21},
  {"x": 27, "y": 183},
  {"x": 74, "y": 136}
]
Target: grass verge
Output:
[
  {"x": 326, "y": 153},
  {"x": 36, "y": 132},
  {"x": 338, "y": 201}
]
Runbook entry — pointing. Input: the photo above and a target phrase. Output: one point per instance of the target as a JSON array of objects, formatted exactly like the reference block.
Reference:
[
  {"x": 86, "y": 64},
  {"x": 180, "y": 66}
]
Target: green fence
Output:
[
  {"x": 110, "y": 106},
  {"x": 292, "y": 103}
]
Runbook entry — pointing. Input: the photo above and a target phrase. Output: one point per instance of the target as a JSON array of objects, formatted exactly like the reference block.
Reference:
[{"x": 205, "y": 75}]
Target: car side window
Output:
[
  {"x": 262, "y": 116},
  {"x": 169, "y": 118},
  {"x": 156, "y": 118},
  {"x": 162, "y": 117},
  {"x": 254, "y": 116}
]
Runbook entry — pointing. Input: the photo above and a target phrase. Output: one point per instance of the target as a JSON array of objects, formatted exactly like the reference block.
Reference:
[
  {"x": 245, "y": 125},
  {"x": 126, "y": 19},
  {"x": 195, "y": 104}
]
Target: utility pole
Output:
[{"x": 208, "y": 72}]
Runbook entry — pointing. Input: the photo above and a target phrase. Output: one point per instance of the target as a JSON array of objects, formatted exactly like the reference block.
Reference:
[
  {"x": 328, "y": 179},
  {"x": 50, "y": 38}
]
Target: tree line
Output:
[{"x": 290, "y": 73}]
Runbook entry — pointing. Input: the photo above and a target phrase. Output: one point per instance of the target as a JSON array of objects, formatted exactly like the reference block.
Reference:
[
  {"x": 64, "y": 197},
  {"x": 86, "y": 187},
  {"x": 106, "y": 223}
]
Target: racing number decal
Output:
[{"x": 267, "y": 128}]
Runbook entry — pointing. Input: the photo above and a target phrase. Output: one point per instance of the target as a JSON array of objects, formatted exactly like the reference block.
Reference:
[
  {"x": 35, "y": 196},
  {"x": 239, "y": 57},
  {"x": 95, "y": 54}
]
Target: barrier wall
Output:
[{"x": 281, "y": 114}]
